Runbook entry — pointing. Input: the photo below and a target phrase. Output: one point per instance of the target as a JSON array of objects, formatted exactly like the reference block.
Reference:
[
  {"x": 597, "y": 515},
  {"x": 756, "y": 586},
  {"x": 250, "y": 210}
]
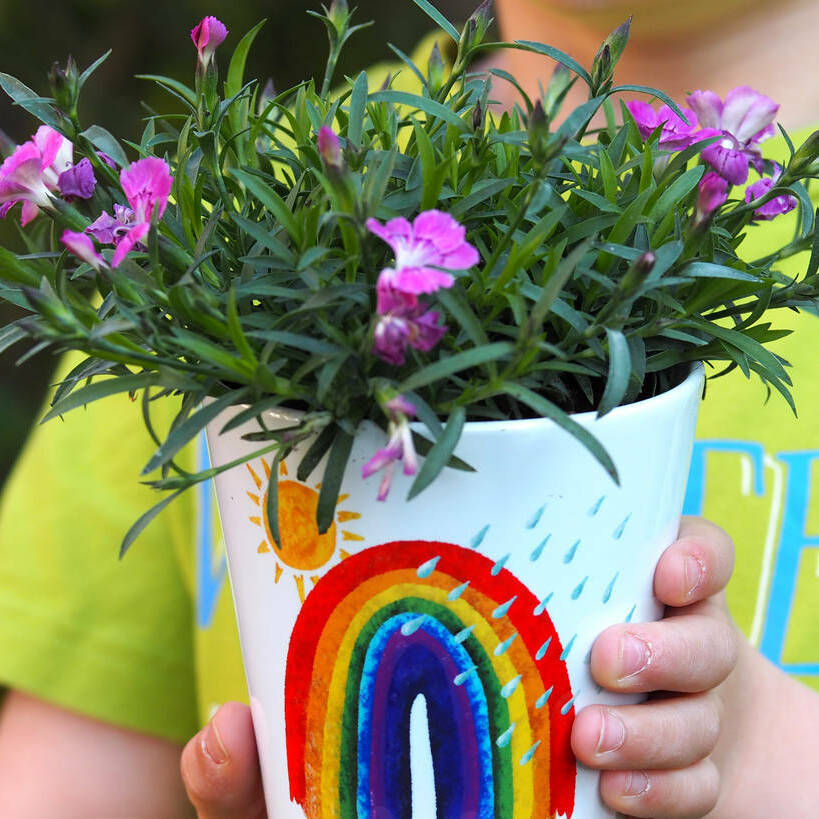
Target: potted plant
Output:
[{"x": 510, "y": 306}]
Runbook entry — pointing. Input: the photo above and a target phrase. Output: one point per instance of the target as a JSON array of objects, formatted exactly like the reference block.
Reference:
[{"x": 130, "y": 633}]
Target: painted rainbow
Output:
[{"x": 414, "y": 619}]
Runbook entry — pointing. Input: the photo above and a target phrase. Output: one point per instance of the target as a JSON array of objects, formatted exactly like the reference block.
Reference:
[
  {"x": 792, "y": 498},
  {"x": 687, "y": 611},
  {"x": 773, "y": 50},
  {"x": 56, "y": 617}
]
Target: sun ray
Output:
[
  {"x": 266, "y": 466},
  {"x": 278, "y": 573},
  {"x": 256, "y": 519},
  {"x": 254, "y": 498},
  {"x": 282, "y": 468},
  {"x": 343, "y": 517},
  {"x": 299, "y": 578},
  {"x": 263, "y": 547},
  {"x": 343, "y": 554},
  {"x": 342, "y": 498},
  {"x": 350, "y": 535},
  {"x": 314, "y": 578},
  {"x": 256, "y": 479}
]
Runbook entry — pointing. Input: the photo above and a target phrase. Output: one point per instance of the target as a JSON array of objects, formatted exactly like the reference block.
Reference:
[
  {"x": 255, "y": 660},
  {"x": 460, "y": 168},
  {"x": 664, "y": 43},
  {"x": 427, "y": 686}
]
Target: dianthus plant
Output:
[{"x": 364, "y": 253}]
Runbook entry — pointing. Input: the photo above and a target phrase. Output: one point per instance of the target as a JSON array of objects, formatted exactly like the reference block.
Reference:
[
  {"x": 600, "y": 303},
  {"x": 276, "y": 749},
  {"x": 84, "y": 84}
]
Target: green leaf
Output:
[
  {"x": 91, "y": 69},
  {"x": 236, "y": 69},
  {"x": 136, "y": 530},
  {"x": 481, "y": 192},
  {"x": 547, "y": 409},
  {"x": 430, "y": 107},
  {"x": 333, "y": 477},
  {"x": 272, "y": 500},
  {"x": 270, "y": 200},
  {"x": 106, "y": 142},
  {"x": 191, "y": 427},
  {"x": 440, "y": 453},
  {"x": 317, "y": 450},
  {"x": 27, "y": 99},
  {"x": 236, "y": 332},
  {"x": 300, "y": 342},
  {"x": 708, "y": 270},
  {"x": 358, "y": 108},
  {"x": 10, "y": 335},
  {"x": 100, "y": 389},
  {"x": 444, "y": 367},
  {"x": 459, "y": 308},
  {"x": 438, "y": 19},
  {"x": 660, "y": 95},
  {"x": 619, "y": 372},
  {"x": 557, "y": 55},
  {"x": 168, "y": 83}
]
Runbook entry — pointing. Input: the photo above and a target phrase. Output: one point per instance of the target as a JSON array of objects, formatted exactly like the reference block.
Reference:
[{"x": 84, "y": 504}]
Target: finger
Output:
[
  {"x": 684, "y": 794},
  {"x": 660, "y": 734},
  {"x": 689, "y": 652},
  {"x": 696, "y": 566},
  {"x": 220, "y": 767}
]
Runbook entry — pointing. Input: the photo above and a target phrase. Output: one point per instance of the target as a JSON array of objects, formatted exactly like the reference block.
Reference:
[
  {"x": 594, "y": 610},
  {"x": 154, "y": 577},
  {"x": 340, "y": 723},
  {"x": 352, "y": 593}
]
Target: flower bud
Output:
[
  {"x": 477, "y": 116},
  {"x": 329, "y": 147},
  {"x": 339, "y": 16},
  {"x": 638, "y": 273},
  {"x": 64, "y": 84},
  {"x": 608, "y": 56},
  {"x": 804, "y": 157},
  {"x": 559, "y": 84},
  {"x": 477, "y": 26},
  {"x": 713, "y": 192}
]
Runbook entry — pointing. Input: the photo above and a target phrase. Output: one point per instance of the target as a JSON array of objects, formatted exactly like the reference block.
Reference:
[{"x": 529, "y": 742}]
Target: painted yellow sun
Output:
[{"x": 302, "y": 551}]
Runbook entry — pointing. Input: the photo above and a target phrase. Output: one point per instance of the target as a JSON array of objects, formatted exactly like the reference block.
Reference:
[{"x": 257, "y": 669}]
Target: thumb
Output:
[{"x": 220, "y": 767}]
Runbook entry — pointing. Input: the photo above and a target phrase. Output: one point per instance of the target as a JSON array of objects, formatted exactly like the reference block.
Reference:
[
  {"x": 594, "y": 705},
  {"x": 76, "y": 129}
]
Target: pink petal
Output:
[
  {"x": 645, "y": 117},
  {"x": 30, "y": 210},
  {"x": 746, "y": 112},
  {"x": 729, "y": 163},
  {"x": 208, "y": 34},
  {"x": 57, "y": 152},
  {"x": 418, "y": 280},
  {"x": 390, "y": 339},
  {"x": 393, "y": 232},
  {"x": 440, "y": 229},
  {"x": 425, "y": 332},
  {"x": 83, "y": 247},
  {"x": 384, "y": 456},
  {"x": 402, "y": 405},
  {"x": 26, "y": 152},
  {"x": 391, "y": 300},
  {"x": 128, "y": 241},
  {"x": 461, "y": 258},
  {"x": 147, "y": 183},
  {"x": 708, "y": 108}
]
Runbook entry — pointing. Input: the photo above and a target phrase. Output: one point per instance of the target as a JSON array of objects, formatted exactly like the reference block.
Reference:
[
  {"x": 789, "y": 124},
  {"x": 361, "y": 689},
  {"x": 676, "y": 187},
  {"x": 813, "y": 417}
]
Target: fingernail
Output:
[
  {"x": 636, "y": 783},
  {"x": 212, "y": 744},
  {"x": 635, "y": 655},
  {"x": 612, "y": 732},
  {"x": 694, "y": 574}
]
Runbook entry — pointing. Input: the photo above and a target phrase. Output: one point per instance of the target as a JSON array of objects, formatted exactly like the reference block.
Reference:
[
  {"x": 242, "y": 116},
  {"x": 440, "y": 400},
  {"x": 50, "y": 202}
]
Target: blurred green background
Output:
[{"x": 154, "y": 38}]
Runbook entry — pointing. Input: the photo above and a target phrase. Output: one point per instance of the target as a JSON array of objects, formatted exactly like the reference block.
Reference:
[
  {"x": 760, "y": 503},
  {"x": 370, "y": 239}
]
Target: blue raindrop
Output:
[
  {"x": 503, "y": 609},
  {"x": 478, "y": 539},
  {"x": 497, "y": 568},
  {"x": 569, "y": 556},
  {"x": 541, "y": 652},
  {"x": 568, "y": 706},
  {"x": 578, "y": 589},
  {"x": 618, "y": 532},
  {"x": 504, "y": 646},
  {"x": 464, "y": 675},
  {"x": 426, "y": 569},
  {"x": 544, "y": 698},
  {"x": 568, "y": 648},
  {"x": 610, "y": 588},
  {"x": 527, "y": 757},
  {"x": 506, "y": 737},
  {"x": 510, "y": 687},
  {"x": 411, "y": 626},
  {"x": 541, "y": 606},
  {"x": 464, "y": 633},
  {"x": 457, "y": 591},
  {"x": 535, "y": 519},
  {"x": 596, "y": 507},
  {"x": 630, "y": 614},
  {"x": 538, "y": 550}
]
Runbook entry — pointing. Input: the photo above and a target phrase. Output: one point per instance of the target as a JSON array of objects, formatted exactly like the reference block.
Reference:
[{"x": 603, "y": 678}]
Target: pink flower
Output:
[
  {"x": 433, "y": 240},
  {"x": 32, "y": 172},
  {"x": 109, "y": 230},
  {"x": 207, "y": 36},
  {"x": 676, "y": 135},
  {"x": 743, "y": 120},
  {"x": 78, "y": 180},
  {"x": 329, "y": 148},
  {"x": 399, "y": 446},
  {"x": 403, "y": 322},
  {"x": 147, "y": 185},
  {"x": 83, "y": 247},
  {"x": 713, "y": 193},
  {"x": 774, "y": 207}
]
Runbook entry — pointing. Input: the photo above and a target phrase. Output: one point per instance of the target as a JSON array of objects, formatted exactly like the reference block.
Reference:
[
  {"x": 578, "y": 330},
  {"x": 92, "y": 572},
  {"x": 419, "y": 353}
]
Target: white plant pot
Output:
[{"x": 426, "y": 659}]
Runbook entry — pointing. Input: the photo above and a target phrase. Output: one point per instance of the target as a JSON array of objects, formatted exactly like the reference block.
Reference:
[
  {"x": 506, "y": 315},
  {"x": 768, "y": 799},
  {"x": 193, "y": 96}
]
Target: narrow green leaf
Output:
[
  {"x": 661, "y": 95},
  {"x": 191, "y": 427},
  {"x": 708, "y": 270},
  {"x": 100, "y": 389},
  {"x": 270, "y": 199},
  {"x": 441, "y": 452},
  {"x": 480, "y": 193},
  {"x": 553, "y": 287},
  {"x": 428, "y": 106},
  {"x": 170, "y": 84},
  {"x": 619, "y": 372},
  {"x": 557, "y": 55},
  {"x": 106, "y": 142},
  {"x": 333, "y": 476},
  {"x": 272, "y": 500},
  {"x": 460, "y": 361},
  {"x": 27, "y": 99},
  {"x": 459, "y": 308},
  {"x": 358, "y": 108},
  {"x": 236, "y": 69},
  {"x": 92, "y": 68},
  {"x": 136, "y": 530},
  {"x": 317, "y": 450},
  {"x": 547, "y": 409},
  {"x": 438, "y": 19},
  {"x": 298, "y": 341}
]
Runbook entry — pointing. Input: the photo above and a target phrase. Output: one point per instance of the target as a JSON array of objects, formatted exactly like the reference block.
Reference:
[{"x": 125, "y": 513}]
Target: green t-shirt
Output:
[{"x": 150, "y": 643}]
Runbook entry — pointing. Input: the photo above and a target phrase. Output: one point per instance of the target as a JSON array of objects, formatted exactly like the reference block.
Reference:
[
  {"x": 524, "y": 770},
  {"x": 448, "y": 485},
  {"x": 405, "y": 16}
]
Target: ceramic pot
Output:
[{"x": 427, "y": 658}]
